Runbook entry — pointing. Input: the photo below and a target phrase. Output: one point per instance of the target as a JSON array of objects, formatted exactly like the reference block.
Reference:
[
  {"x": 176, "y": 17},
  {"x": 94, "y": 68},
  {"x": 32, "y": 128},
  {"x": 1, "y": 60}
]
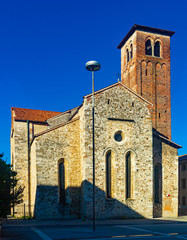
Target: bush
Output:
[{"x": 10, "y": 193}]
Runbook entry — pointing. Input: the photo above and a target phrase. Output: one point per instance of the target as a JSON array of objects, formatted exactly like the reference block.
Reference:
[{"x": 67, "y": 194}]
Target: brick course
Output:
[{"x": 149, "y": 76}]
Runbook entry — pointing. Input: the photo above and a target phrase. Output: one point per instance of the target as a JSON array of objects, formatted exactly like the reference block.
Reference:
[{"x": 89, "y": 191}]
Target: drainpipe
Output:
[{"x": 29, "y": 189}]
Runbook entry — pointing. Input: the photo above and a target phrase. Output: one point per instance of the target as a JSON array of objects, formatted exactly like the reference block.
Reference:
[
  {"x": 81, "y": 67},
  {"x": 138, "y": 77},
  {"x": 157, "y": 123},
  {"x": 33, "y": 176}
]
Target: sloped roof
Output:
[
  {"x": 32, "y": 114},
  {"x": 56, "y": 127},
  {"x": 119, "y": 84},
  {"x": 145, "y": 29},
  {"x": 165, "y": 139},
  {"x": 183, "y": 157}
]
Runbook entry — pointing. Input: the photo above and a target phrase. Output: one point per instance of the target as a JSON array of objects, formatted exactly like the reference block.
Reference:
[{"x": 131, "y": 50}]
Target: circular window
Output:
[{"x": 118, "y": 136}]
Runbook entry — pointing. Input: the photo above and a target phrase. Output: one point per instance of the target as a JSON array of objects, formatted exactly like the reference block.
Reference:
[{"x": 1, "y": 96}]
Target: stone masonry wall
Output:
[
  {"x": 61, "y": 143},
  {"x": 33, "y": 180},
  {"x": 20, "y": 153},
  {"x": 170, "y": 181},
  {"x": 19, "y": 158},
  {"x": 114, "y": 107},
  {"x": 167, "y": 157}
]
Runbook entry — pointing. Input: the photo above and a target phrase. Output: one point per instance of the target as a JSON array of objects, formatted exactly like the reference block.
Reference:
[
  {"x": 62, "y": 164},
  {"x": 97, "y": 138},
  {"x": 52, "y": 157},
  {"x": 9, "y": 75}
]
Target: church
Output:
[{"x": 136, "y": 162}]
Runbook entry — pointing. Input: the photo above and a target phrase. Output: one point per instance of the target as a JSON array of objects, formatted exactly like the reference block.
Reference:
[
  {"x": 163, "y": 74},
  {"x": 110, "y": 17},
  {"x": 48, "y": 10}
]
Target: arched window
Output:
[
  {"x": 158, "y": 183},
  {"x": 61, "y": 170},
  {"x": 148, "y": 47},
  {"x": 157, "y": 49},
  {"x": 127, "y": 55},
  {"x": 108, "y": 174},
  {"x": 131, "y": 52},
  {"x": 128, "y": 175}
]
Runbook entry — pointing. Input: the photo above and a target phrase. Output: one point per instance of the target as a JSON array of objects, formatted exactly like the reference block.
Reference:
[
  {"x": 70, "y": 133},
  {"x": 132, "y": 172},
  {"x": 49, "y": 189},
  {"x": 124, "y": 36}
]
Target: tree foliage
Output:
[{"x": 10, "y": 193}]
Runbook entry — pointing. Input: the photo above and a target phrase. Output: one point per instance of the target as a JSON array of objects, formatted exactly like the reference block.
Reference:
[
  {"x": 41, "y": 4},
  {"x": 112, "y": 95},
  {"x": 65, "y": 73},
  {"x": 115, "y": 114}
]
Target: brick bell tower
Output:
[{"x": 145, "y": 68}]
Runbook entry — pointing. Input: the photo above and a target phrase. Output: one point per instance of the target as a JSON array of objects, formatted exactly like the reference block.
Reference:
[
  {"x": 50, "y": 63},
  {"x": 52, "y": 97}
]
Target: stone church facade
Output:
[{"x": 136, "y": 162}]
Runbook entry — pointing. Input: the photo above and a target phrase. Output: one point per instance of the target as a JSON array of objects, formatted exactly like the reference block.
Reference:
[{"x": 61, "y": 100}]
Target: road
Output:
[{"x": 105, "y": 229}]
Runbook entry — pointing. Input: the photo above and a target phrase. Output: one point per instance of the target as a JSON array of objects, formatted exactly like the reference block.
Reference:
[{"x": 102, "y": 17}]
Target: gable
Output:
[
  {"x": 117, "y": 108},
  {"x": 119, "y": 84}
]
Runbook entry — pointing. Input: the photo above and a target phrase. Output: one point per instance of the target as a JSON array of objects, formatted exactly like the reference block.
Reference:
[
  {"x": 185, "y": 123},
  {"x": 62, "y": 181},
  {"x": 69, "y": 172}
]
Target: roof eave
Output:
[
  {"x": 123, "y": 85},
  {"x": 167, "y": 141},
  {"x": 146, "y": 29}
]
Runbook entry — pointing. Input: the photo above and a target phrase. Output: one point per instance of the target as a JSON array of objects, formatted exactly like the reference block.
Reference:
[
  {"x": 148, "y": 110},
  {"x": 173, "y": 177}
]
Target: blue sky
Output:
[{"x": 44, "y": 46}]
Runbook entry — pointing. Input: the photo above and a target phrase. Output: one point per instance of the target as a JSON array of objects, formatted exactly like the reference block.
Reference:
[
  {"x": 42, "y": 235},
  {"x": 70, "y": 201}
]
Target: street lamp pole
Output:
[{"x": 93, "y": 66}]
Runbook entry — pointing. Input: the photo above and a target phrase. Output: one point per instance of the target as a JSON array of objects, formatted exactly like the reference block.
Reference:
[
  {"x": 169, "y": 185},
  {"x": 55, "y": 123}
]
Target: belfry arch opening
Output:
[
  {"x": 157, "y": 49},
  {"x": 148, "y": 47}
]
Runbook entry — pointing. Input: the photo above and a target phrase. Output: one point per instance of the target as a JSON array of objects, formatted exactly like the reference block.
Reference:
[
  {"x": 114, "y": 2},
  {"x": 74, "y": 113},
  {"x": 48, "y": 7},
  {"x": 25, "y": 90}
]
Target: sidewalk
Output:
[{"x": 79, "y": 222}]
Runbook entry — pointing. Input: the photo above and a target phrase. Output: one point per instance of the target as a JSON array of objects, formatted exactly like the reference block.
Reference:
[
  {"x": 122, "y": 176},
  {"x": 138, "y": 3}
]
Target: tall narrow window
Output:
[
  {"x": 157, "y": 49},
  {"x": 127, "y": 55},
  {"x": 183, "y": 201},
  {"x": 128, "y": 175},
  {"x": 183, "y": 167},
  {"x": 183, "y": 183},
  {"x": 108, "y": 174},
  {"x": 62, "y": 182},
  {"x": 157, "y": 183},
  {"x": 131, "y": 52},
  {"x": 148, "y": 47}
]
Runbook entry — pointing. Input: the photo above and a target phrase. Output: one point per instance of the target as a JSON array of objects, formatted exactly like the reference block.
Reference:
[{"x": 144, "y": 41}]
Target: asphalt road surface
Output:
[{"x": 106, "y": 230}]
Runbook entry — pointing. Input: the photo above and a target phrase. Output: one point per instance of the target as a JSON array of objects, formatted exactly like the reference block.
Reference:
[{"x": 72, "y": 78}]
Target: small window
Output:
[
  {"x": 108, "y": 174},
  {"x": 183, "y": 183},
  {"x": 148, "y": 47},
  {"x": 157, "y": 49},
  {"x": 131, "y": 52},
  {"x": 127, "y": 55},
  {"x": 183, "y": 167},
  {"x": 183, "y": 201},
  {"x": 118, "y": 136}
]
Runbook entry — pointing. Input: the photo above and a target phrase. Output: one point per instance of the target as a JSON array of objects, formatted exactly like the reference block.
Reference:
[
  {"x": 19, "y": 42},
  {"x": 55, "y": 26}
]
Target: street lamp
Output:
[{"x": 93, "y": 66}]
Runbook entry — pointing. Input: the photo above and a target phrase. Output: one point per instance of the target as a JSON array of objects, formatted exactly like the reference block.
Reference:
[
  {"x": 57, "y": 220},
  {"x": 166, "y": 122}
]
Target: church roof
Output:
[
  {"x": 145, "y": 29},
  {"x": 32, "y": 115},
  {"x": 183, "y": 157},
  {"x": 165, "y": 139},
  {"x": 56, "y": 127},
  {"x": 118, "y": 84}
]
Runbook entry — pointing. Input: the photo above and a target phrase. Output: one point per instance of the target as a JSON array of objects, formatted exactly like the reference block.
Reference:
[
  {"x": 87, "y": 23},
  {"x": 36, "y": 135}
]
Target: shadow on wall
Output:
[
  {"x": 79, "y": 204},
  {"x": 157, "y": 171}
]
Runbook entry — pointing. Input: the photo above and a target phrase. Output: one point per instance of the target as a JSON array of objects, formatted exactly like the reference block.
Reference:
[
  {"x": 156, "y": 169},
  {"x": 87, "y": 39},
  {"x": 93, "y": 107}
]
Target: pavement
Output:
[{"x": 165, "y": 228}]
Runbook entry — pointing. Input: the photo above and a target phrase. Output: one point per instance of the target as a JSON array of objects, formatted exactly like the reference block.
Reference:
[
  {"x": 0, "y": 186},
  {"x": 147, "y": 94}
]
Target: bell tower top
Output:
[
  {"x": 145, "y": 68},
  {"x": 144, "y": 29}
]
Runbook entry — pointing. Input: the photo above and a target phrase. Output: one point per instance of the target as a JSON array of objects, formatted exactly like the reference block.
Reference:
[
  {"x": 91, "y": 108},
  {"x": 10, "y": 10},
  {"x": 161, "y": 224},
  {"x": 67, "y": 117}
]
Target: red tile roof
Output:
[{"x": 32, "y": 115}]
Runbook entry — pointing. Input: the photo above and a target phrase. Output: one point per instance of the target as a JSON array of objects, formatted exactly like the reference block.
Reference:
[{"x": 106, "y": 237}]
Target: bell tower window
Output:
[
  {"x": 148, "y": 47},
  {"x": 131, "y": 52},
  {"x": 157, "y": 49},
  {"x": 127, "y": 55}
]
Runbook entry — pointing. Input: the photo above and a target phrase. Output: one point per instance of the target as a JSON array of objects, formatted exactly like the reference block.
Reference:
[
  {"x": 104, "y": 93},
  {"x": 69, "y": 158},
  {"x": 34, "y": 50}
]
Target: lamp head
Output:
[{"x": 93, "y": 66}]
